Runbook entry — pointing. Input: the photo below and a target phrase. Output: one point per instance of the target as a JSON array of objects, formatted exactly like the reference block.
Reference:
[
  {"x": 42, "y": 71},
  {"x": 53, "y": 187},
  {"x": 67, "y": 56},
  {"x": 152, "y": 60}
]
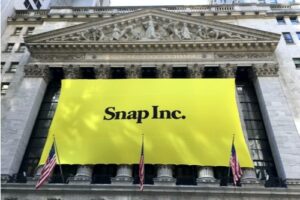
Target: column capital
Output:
[
  {"x": 196, "y": 71},
  {"x": 164, "y": 71},
  {"x": 228, "y": 70},
  {"x": 71, "y": 71},
  {"x": 265, "y": 70},
  {"x": 133, "y": 71},
  {"x": 37, "y": 71},
  {"x": 101, "y": 71}
]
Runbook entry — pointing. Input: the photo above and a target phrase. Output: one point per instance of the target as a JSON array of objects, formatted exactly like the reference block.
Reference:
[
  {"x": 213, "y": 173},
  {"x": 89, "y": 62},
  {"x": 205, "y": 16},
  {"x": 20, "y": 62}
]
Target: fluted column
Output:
[
  {"x": 206, "y": 177},
  {"x": 196, "y": 71},
  {"x": 164, "y": 175},
  {"x": 124, "y": 175}
]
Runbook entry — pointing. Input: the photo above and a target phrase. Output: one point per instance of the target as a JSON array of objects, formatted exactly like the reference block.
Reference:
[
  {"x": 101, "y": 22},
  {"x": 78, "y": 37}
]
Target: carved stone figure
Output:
[
  {"x": 150, "y": 31},
  {"x": 116, "y": 33},
  {"x": 185, "y": 32},
  {"x": 93, "y": 34}
]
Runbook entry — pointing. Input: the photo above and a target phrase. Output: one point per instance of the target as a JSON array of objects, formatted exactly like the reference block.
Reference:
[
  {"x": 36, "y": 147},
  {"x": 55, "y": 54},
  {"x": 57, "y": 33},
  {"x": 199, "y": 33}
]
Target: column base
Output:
[
  {"x": 170, "y": 181},
  {"x": 80, "y": 180},
  {"x": 251, "y": 183},
  {"x": 32, "y": 180},
  {"x": 122, "y": 180},
  {"x": 5, "y": 178},
  {"x": 207, "y": 182}
]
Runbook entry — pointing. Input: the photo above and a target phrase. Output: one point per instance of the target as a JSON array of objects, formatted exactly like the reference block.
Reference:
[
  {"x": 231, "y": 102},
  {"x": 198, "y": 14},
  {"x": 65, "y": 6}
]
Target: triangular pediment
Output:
[{"x": 146, "y": 26}]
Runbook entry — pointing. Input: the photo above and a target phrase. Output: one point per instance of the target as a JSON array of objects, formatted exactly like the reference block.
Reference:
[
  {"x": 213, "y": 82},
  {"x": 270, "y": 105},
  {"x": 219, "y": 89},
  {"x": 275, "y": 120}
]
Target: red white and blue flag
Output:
[
  {"x": 235, "y": 166},
  {"x": 47, "y": 169},
  {"x": 142, "y": 168}
]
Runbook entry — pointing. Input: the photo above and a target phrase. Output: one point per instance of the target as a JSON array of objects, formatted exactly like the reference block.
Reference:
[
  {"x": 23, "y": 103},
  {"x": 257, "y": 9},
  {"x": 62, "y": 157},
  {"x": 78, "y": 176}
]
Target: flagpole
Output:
[
  {"x": 60, "y": 169},
  {"x": 228, "y": 174}
]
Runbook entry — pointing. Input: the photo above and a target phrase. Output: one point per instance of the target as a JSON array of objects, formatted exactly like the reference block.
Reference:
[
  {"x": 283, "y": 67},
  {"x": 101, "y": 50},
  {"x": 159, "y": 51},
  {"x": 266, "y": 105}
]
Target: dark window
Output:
[
  {"x": 30, "y": 30},
  {"x": 4, "y": 88},
  {"x": 149, "y": 72},
  {"x": 13, "y": 67},
  {"x": 185, "y": 175},
  {"x": 2, "y": 65},
  {"x": 22, "y": 48},
  {"x": 288, "y": 38},
  {"x": 102, "y": 174},
  {"x": 298, "y": 34},
  {"x": 294, "y": 20},
  {"x": 37, "y": 3},
  {"x": 297, "y": 62},
  {"x": 17, "y": 31},
  {"x": 280, "y": 20},
  {"x": 9, "y": 47},
  {"x": 28, "y": 5},
  {"x": 179, "y": 72},
  {"x": 211, "y": 72},
  {"x": 257, "y": 136},
  {"x": 87, "y": 73},
  {"x": 150, "y": 173},
  {"x": 117, "y": 72}
]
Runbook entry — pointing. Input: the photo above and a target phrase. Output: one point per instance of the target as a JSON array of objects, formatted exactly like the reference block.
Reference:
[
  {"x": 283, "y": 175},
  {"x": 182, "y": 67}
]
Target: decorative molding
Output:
[
  {"x": 37, "y": 71},
  {"x": 165, "y": 71},
  {"x": 102, "y": 72},
  {"x": 71, "y": 72},
  {"x": 265, "y": 70},
  {"x": 245, "y": 56},
  {"x": 133, "y": 71},
  {"x": 54, "y": 57},
  {"x": 228, "y": 70},
  {"x": 196, "y": 71}
]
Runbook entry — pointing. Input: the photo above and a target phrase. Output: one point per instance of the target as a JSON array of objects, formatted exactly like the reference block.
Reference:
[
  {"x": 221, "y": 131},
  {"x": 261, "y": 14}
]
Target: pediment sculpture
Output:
[{"x": 151, "y": 29}]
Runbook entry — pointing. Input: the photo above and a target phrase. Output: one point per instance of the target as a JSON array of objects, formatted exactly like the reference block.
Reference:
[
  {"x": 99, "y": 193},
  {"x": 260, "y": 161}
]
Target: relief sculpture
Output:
[{"x": 149, "y": 29}]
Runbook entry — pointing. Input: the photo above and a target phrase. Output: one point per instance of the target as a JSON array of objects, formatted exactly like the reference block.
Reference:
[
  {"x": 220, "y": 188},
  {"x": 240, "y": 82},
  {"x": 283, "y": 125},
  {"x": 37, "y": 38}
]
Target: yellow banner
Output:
[{"x": 184, "y": 121}]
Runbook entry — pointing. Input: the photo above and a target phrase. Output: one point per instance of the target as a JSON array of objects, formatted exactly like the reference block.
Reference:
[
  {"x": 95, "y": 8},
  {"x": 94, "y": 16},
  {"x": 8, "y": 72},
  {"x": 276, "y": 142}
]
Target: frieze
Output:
[
  {"x": 55, "y": 57},
  {"x": 265, "y": 70},
  {"x": 151, "y": 28},
  {"x": 37, "y": 71},
  {"x": 245, "y": 56}
]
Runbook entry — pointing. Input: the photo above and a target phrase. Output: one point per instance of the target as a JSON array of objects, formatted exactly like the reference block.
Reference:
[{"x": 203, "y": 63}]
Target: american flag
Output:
[
  {"x": 235, "y": 166},
  {"x": 142, "y": 168},
  {"x": 47, "y": 169}
]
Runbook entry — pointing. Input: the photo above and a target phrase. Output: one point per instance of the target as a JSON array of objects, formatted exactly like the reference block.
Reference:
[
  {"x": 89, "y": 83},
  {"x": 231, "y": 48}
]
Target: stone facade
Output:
[{"x": 195, "y": 37}]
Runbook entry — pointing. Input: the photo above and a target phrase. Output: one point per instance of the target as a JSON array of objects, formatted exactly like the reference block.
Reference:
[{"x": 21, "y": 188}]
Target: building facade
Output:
[{"x": 258, "y": 45}]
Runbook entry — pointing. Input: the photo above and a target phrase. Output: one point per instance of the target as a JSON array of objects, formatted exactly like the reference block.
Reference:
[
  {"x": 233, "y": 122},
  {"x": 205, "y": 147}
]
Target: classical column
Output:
[
  {"x": 133, "y": 71},
  {"x": 228, "y": 70},
  {"x": 101, "y": 72},
  {"x": 249, "y": 178},
  {"x": 196, "y": 71},
  {"x": 124, "y": 172},
  {"x": 164, "y": 172},
  {"x": 18, "y": 120},
  {"x": 124, "y": 175},
  {"x": 165, "y": 71},
  {"x": 280, "y": 126},
  {"x": 206, "y": 177},
  {"x": 164, "y": 175},
  {"x": 72, "y": 72}
]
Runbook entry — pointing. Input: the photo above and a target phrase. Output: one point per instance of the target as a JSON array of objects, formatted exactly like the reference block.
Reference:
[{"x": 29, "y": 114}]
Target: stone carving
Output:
[
  {"x": 37, "y": 71},
  {"x": 228, "y": 71},
  {"x": 72, "y": 72},
  {"x": 133, "y": 71},
  {"x": 165, "y": 71},
  {"x": 146, "y": 29},
  {"x": 265, "y": 70},
  {"x": 196, "y": 71},
  {"x": 55, "y": 57},
  {"x": 101, "y": 72},
  {"x": 241, "y": 56}
]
